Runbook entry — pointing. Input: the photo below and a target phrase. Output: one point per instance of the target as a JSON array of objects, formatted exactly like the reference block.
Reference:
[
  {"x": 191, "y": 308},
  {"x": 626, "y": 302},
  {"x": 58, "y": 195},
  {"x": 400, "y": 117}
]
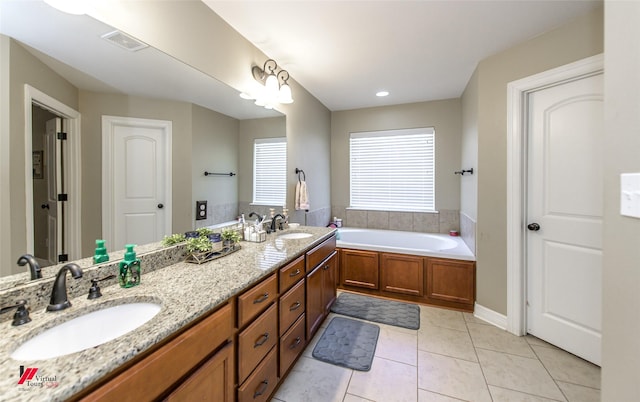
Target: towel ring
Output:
[{"x": 304, "y": 177}]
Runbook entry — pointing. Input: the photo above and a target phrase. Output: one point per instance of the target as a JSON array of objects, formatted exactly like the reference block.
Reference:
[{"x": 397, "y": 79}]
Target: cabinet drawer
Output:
[
  {"x": 150, "y": 377},
  {"x": 291, "y": 306},
  {"x": 256, "y": 341},
  {"x": 291, "y": 274},
  {"x": 256, "y": 300},
  {"x": 262, "y": 382},
  {"x": 292, "y": 344},
  {"x": 320, "y": 253}
]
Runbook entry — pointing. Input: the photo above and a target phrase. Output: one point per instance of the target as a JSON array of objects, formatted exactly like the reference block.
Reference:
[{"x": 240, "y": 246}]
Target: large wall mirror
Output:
[{"x": 69, "y": 73}]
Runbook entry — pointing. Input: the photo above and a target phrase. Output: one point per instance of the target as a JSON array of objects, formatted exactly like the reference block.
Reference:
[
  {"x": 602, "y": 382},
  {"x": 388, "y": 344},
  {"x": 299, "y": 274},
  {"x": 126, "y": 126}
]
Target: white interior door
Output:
[
  {"x": 54, "y": 182},
  {"x": 137, "y": 173},
  {"x": 564, "y": 215}
]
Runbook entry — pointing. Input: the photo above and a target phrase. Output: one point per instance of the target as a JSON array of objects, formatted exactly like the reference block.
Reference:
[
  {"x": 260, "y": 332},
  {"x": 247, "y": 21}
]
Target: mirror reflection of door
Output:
[{"x": 47, "y": 183}]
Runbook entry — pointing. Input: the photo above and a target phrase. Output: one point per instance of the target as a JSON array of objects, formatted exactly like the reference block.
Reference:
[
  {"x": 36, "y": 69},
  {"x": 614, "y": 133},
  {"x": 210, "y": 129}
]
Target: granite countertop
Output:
[{"x": 185, "y": 292}]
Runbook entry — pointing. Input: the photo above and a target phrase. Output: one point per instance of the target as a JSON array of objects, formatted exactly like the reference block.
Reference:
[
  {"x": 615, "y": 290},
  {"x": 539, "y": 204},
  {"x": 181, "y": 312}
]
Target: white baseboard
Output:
[{"x": 490, "y": 316}]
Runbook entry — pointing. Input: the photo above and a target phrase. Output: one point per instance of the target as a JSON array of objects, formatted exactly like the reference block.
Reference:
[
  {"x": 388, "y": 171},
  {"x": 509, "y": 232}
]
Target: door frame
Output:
[
  {"x": 517, "y": 107},
  {"x": 108, "y": 122},
  {"x": 72, "y": 166}
]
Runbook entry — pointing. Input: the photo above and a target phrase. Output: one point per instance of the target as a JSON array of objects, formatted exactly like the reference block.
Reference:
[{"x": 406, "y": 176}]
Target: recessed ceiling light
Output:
[{"x": 382, "y": 93}]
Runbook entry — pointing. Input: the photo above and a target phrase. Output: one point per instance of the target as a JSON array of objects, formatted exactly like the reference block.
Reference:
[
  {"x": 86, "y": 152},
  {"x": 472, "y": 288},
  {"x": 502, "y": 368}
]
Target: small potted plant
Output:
[
  {"x": 199, "y": 249},
  {"x": 230, "y": 237}
]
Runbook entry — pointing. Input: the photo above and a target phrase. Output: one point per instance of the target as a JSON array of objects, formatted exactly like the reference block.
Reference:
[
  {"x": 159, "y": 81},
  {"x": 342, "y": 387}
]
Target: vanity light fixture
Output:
[{"x": 274, "y": 87}]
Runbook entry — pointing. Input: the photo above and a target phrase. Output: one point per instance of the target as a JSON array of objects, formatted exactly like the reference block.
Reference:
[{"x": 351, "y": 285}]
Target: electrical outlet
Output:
[{"x": 201, "y": 210}]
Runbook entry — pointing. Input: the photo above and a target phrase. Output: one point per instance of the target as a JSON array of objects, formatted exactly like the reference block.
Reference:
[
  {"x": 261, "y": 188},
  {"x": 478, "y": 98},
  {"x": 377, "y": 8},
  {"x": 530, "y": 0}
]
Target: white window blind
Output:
[
  {"x": 393, "y": 170},
  {"x": 270, "y": 171}
]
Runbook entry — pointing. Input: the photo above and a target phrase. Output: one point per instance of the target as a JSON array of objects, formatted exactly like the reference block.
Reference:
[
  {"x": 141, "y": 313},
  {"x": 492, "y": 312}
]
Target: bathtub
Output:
[{"x": 393, "y": 241}]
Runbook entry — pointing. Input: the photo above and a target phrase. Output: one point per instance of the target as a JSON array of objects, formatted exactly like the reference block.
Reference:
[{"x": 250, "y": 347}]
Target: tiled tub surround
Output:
[
  {"x": 427, "y": 222},
  {"x": 468, "y": 231},
  {"x": 186, "y": 292}
]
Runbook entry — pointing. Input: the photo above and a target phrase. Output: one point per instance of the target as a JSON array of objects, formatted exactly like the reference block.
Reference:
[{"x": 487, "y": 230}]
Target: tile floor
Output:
[{"x": 452, "y": 357}]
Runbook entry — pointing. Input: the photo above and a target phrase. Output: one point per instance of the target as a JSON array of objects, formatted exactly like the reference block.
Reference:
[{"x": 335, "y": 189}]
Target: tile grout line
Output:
[{"x": 475, "y": 350}]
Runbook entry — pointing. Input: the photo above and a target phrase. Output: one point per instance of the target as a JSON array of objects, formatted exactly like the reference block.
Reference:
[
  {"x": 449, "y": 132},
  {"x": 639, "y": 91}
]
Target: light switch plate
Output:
[{"x": 630, "y": 194}]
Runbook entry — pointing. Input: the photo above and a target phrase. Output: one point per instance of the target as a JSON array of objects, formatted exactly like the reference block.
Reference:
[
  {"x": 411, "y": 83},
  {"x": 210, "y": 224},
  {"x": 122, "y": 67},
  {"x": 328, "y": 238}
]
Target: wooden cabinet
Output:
[
  {"x": 320, "y": 253},
  {"x": 292, "y": 305},
  {"x": 256, "y": 300},
  {"x": 292, "y": 343},
  {"x": 451, "y": 281},
  {"x": 402, "y": 274},
  {"x": 321, "y": 292},
  {"x": 436, "y": 281},
  {"x": 261, "y": 384},
  {"x": 359, "y": 269},
  {"x": 211, "y": 382},
  {"x": 164, "y": 369},
  {"x": 291, "y": 273},
  {"x": 256, "y": 341}
]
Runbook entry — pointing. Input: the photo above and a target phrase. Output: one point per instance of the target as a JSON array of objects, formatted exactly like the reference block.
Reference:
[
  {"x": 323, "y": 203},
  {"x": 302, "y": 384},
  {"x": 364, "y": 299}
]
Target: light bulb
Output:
[{"x": 285, "y": 94}]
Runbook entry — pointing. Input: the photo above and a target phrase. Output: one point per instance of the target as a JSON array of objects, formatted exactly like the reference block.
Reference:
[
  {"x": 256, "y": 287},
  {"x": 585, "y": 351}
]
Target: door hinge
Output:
[
  {"x": 63, "y": 257},
  {"x": 63, "y": 197},
  {"x": 62, "y": 136}
]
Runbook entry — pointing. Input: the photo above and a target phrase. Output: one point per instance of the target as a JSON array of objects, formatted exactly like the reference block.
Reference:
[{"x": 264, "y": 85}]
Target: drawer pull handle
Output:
[
  {"x": 261, "y": 298},
  {"x": 296, "y": 343},
  {"x": 263, "y": 338},
  {"x": 295, "y": 273},
  {"x": 295, "y": 306},
  {"x": 326, "y": 267},
  {"x": 263, "y": 387}
]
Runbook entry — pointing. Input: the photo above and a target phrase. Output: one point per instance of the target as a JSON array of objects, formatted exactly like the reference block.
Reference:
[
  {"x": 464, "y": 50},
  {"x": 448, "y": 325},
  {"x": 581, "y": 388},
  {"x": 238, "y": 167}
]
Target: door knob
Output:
[
  {"x": 533, "y": 226},
  {"x": 44, "y": 206},
  {"x": 160, "y": 206}
]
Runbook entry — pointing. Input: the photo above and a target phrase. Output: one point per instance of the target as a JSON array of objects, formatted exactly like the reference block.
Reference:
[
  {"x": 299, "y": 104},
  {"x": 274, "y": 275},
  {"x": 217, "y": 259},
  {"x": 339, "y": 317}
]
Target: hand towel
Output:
[{"x": 302, "y": 196}]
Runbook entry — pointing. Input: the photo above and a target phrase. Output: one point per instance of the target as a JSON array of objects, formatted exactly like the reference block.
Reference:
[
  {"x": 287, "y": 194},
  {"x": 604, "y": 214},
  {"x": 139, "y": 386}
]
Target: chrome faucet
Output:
[
  {"x": 34, "y": 267},
  {"x": 273, "y": 221},
  {"x": 59, "y": 300}
]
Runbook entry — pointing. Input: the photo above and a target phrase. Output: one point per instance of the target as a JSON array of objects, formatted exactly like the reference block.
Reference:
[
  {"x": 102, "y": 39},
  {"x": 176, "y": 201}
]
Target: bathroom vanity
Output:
[{"x": 229, "y": 329}]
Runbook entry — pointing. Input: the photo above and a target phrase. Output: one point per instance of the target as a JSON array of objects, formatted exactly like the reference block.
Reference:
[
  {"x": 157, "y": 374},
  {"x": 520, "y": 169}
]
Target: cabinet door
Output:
[
  {"x": 213, "y": 381},
  {"x": 402, "y": 274},
  {"x": 359, "y": 268},
  {"x": 329, "y": 272},
  {"x": 451, "y": 280},
  {"x": 315, "y": 307}
]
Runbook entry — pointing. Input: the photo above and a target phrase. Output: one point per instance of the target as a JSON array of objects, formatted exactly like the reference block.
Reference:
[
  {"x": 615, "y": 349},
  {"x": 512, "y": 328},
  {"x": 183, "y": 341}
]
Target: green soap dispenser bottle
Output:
[
  {"x": 101, "y": 253},
  {"x": 129, "y": 268}
]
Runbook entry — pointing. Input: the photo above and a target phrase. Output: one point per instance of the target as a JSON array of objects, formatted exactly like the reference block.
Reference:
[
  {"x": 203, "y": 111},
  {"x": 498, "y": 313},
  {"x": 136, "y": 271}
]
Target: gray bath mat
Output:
[
  {"x": 390, "y": 312},
  {"x": 348, "y": 343}
]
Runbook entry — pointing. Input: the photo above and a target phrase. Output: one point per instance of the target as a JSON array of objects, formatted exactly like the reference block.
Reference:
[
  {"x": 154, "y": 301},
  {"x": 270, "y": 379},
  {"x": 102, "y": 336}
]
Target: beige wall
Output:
[
  {"x": 579, "y": 39},
  {"x": 92, "y": 107},
  {"x": 214, "y": 149},
  {"x": 469, "y": 151},
  {"x": 219, "y": 51},
  {"x": 621, "y": 275},
  {"x": 25, "y": 69},
  {"x": 6, "y": 264},
  {"x": 445, "y": 116}
]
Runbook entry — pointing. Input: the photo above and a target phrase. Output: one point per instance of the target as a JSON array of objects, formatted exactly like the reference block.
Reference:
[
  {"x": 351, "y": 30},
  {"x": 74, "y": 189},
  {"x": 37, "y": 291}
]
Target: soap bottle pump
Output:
[
  {"x": 129, "y": 268},
  {"x": 101, "y": 253}
]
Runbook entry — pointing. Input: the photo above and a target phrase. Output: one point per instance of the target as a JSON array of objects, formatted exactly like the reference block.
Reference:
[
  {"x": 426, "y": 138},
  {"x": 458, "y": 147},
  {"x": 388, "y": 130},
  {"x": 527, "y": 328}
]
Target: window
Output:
[
  {"x": 270, "y": 171},
  {"x": 393, "y": 170}
]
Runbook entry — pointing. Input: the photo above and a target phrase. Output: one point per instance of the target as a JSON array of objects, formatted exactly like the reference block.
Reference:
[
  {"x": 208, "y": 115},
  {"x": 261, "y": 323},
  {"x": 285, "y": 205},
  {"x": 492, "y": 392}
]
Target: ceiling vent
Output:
[{"x": 124, "y": 41}]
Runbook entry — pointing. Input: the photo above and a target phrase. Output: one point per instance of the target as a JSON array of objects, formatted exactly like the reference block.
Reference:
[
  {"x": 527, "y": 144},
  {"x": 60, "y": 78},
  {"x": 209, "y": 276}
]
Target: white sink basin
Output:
[
  {"x": 297, "y": 235},
  {"x": 86, "y": 331}
]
